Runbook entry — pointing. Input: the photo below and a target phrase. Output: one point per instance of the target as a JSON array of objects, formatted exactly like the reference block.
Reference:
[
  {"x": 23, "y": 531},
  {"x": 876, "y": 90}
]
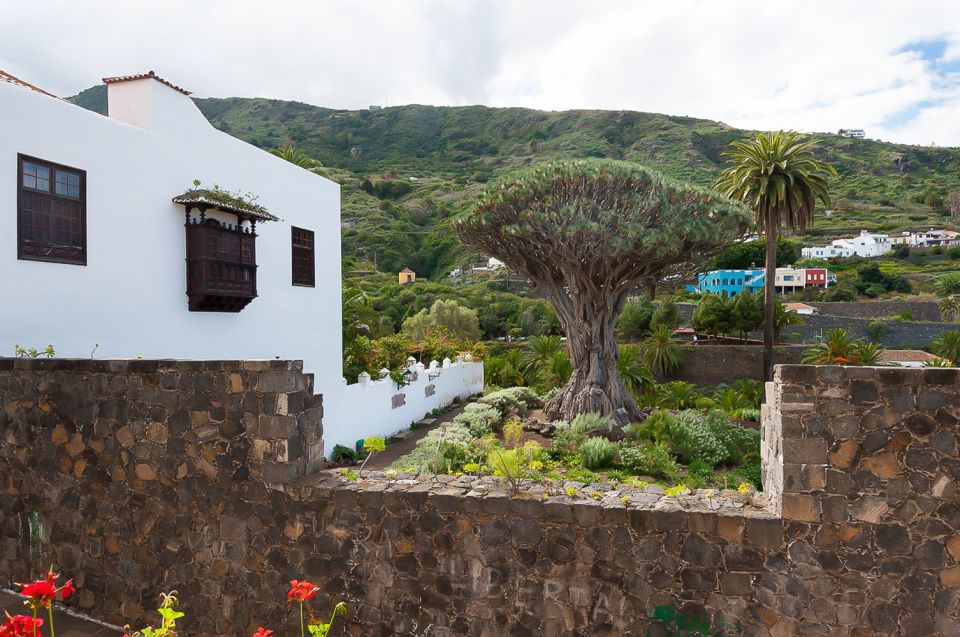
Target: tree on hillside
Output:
[
  {"x": 751, "y": 254},
  {"x": 448, "y": 316},
  {"x": 778, "y": 176},
  {"x": 295, "y": 155},
  {"x": 586, "y": 233}
]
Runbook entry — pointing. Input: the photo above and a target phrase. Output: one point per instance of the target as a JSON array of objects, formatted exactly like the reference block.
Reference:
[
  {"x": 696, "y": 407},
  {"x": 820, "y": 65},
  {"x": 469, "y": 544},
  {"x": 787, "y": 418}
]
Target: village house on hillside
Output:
[
  {"x": 865, "y": 245},
  {"x": 788, "y": 279},
  {"x": 149, "y": 233}
]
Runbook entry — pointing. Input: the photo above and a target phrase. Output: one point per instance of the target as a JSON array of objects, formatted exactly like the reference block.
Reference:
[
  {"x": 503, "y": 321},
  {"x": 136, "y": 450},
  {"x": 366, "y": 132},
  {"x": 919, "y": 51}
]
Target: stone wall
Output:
[
  {"x": 921, "y": 310},
  {"x": 863, "y": 540},
  {"x": 897, "y": 334},
  {"x": 715, "y": 364}
]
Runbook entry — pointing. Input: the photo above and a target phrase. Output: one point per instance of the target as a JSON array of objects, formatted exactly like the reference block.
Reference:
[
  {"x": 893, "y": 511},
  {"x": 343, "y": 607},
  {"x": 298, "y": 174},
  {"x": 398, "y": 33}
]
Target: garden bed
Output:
[{"x": 675, "y": 452}]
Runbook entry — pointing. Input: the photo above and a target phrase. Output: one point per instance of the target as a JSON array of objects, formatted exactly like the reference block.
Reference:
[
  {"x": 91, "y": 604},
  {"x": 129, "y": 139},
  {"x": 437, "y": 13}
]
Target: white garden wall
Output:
[{"x": 368, "y": 408}]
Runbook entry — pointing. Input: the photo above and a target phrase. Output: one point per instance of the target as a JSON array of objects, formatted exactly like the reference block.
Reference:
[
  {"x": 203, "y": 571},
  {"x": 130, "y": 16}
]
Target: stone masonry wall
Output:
[
  {"x": 863, "y": 541},
  {"x": 715, "y": 364}
]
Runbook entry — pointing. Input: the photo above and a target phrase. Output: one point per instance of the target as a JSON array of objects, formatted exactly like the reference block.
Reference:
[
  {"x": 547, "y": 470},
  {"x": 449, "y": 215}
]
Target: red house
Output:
[{"x": 816, "y": 277}]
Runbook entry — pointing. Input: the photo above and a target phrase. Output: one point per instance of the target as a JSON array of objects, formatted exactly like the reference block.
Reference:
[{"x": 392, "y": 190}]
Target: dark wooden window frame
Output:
[
  {"x": 22, "y": 242},
  {"x": 299, "y": 274}
]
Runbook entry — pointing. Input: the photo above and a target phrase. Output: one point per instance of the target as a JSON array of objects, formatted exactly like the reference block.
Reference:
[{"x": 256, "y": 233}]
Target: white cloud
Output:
[{"x": 819, "y": 65}]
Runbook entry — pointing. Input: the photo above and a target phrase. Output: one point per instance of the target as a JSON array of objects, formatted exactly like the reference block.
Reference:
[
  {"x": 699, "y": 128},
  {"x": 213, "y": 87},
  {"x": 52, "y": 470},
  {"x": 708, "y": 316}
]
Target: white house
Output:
[
  {"x": 825, "y": 252},
  {"x": 107, "y": 247},
  {"x": 864, "y": 245}
]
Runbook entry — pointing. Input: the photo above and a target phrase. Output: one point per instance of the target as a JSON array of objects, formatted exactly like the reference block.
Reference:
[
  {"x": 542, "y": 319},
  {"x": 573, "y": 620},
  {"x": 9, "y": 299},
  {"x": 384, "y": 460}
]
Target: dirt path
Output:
[{"x": 404, "y": 446}]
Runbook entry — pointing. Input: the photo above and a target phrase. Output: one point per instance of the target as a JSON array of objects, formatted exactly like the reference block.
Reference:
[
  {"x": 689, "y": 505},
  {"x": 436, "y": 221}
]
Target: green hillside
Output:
[{"x": 421, "y": 165}]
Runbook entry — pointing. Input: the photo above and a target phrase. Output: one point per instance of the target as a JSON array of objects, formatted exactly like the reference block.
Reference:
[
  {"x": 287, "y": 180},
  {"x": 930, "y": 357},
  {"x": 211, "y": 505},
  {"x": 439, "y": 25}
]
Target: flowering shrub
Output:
[
  {"x": 21, "y": 626},
  {"x": 168, "y": 619},
  {"x": 40, "y": 594},
  {"x": 301, "y": 592}
]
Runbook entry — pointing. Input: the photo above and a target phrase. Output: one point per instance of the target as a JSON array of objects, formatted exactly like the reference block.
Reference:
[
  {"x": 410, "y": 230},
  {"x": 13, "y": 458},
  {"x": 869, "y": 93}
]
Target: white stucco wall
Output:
[
  {"x": 366, "y": 409},
  {"x": 130, "y": 297}
]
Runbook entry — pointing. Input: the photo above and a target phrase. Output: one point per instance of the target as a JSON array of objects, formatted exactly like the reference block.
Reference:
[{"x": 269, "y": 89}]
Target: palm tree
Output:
[
  {"x": 838, "y": 349},
  {"x": 947, "y": 345},
  {"x": 950, "y": 308},
  {"x": 783, "y": 317},
  {"x": 295, "y": 155},
  {"x": 661, "y": 353},
  {"x": 869, "y": 354},
  {"x": 776, "y": 175}
]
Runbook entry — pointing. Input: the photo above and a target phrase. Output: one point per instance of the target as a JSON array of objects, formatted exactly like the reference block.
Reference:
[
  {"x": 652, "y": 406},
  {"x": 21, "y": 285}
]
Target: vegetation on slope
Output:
[{"x": 451, "y": 152}]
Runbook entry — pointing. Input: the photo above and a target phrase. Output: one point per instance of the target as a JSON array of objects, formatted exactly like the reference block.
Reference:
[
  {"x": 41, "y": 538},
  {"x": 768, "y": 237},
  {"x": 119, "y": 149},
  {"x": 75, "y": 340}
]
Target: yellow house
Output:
[{"x": 407, "y": 276}]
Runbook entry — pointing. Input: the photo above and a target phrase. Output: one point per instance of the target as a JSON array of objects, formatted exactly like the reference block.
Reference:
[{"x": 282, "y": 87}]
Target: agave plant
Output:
[
  {"x": 750, "y": 389},
  {"x": 950, "y": 308},
  {"x": 947, "y": 345},
  {"x": 677, "y": 394},
  {"x": 634, "y": 371},
  {"x": 661, "y": 353},
  {"x": 729, "y": 400}
]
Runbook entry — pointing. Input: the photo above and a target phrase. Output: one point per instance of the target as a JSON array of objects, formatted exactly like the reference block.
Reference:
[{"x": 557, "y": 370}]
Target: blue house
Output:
[{"x": 730, "y": 282}]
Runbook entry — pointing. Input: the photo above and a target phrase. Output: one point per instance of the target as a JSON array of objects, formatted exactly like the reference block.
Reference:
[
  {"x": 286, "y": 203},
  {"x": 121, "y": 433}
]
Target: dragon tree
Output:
[{"x": 586, "y": 234}]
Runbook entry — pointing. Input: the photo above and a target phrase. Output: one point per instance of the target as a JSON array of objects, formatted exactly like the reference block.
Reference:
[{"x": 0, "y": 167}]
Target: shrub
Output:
[
  {"x": 479, "y": 418},
  {"x": 947, "y": 284},
  {"x": 592, "y": 421},
  {"x": 443, "y": 450},
  {"x": 738, "y": 442},
  {"x": 567, "y": 438},
  {"x": 877, "y": 329},
  {"x": 677, "y": 394},
  {"x": 343, "y": 453},
  {"x": 597, "y": 452},
  {"x": 515, "y": 465},
  {"x": 649, "y": 460},
  {"x": 691, "y": 438},
  {"x": 751, "y": 471},
  {"x": 747, "y": 414},
  {"x": 510, "y": 400},
  {"x": 653, "y": 429}
]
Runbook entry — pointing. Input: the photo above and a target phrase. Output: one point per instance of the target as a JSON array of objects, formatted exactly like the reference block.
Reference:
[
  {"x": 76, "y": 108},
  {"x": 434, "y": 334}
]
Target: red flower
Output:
[
  {"x": 67, "y": 589},
  {"x": 263, "y": 632},
  {"x": 41, "y": 591},
  {"x": 301, "y": 591},
  {"x": 20, "y": 626},
  {"x": 44, "y": 591}
]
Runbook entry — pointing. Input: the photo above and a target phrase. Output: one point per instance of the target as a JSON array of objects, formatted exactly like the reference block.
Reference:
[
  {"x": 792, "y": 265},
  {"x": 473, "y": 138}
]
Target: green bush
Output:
[
  {"x": 738, "y": 442},
  {"x": 479, "y": 418},
  {"x": 568, "y": 438},
  {"x": 597, "y": 452},
  {"x": 691, "y": 438},
  {"x": 877, "y": 329},
  {"x": 510, "y": 400},
  {"x": 443, "y": 450},
  {"x": 649, "y": 460},
  {"x": 653, "y": 429},
  {"x": 591, "y": 421}
]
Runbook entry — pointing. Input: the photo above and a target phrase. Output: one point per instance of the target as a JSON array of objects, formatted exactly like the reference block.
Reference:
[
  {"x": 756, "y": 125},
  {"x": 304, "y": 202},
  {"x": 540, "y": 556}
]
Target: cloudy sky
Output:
[{"x": 891, "y": 67}]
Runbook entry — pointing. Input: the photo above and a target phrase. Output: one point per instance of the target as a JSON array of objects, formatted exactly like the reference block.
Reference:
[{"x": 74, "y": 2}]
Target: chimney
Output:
[{"x": 149, "y": 102}]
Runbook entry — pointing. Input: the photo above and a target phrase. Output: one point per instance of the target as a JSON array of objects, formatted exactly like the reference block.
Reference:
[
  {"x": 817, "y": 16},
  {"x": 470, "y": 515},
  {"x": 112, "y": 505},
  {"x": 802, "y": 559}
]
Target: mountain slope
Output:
[{"x": 446, "y": 154}]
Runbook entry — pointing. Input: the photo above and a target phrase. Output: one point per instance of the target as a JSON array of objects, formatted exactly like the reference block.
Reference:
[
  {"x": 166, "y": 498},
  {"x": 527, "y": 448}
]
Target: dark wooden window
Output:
[
  {"x": 51, "y": 212},
  {"x": 221, "y": 265},
  {"x": 304, "y": 268}
]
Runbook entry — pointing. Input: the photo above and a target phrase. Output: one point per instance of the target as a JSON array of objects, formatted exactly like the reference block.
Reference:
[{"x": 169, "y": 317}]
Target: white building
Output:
[
  {"x": 864, "y": 245},
  {"x": 98, "y": 211}
]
